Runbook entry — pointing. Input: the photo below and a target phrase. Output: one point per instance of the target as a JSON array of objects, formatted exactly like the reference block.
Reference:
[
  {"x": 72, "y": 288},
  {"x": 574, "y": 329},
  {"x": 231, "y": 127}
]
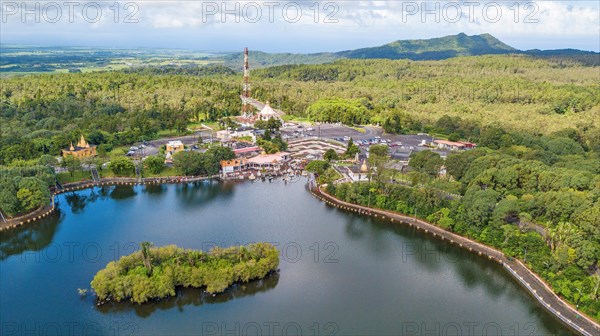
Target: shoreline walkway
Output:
[{"x": 526, "y": 278}]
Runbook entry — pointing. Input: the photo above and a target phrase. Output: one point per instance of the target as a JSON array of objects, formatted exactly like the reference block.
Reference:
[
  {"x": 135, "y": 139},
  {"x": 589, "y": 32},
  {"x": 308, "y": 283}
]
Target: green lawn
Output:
[
  {"x": 77, "y": 176},
  {"x": 169, "y": 171},
  {"x": 292, "y": 118}
]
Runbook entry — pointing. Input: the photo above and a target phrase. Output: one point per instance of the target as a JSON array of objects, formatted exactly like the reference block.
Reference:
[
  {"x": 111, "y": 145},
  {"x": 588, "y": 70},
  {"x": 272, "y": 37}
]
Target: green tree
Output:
[
  {"x": 352, "y": 149},
  {"x": 427, "y": 162},
  {"x": 458, "y": 163},
  {"x": 32, "y": 193},
  {"x": 145, "y": 249},
  {"x": 122, "y": 166},
  {"x": 395, "y": 122},
  {"x": 479, "y": 205},
  {"x": 273, "y": 124},
  {"x": 317, "y": 166},
  {"x": 155, "y": 164},
  {"x": 72, "y": 164},
  {"x": 492, "y": 137},
  {"x": 194, "y": 163},
  {"x": 564, "y": 146},
  {"x": 221, "y": 153},
  {"x": 330, "y": 155},
  {"x": 454, "y": 137},
  {"x": 48, "y": 160}
]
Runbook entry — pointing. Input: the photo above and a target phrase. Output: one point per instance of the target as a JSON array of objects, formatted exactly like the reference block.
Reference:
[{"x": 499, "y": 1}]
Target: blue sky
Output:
[{"x": 296, "y": 26}]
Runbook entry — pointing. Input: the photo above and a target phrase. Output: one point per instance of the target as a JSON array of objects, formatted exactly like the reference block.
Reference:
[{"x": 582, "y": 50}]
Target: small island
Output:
[{"x": 154, "y": 272}]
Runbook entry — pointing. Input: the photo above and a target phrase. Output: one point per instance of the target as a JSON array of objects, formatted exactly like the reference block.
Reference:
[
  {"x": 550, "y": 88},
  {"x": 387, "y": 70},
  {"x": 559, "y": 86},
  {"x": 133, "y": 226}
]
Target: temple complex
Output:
[{"x": 81, "y": 150}]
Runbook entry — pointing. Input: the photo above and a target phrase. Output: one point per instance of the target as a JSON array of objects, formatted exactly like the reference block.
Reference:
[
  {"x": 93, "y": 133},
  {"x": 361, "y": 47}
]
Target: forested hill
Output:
[
  {"x": 425, "y": 49},
  {"x": 433, "y": 49}
]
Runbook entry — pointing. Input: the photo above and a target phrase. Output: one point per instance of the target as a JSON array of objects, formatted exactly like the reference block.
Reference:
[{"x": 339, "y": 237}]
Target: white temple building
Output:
[{"x": 268, "y": 112}]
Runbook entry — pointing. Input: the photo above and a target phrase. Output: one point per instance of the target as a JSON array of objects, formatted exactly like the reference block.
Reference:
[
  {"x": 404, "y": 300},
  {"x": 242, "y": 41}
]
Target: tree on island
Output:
[
  {"x": 155, "y": 272},
  {"x": 145, "y": 248}
]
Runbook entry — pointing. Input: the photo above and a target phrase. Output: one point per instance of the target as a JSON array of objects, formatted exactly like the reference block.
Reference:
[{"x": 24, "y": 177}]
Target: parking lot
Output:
[
  {"x": 370, "y": 136},
  {"x": 150, "y": 148}
]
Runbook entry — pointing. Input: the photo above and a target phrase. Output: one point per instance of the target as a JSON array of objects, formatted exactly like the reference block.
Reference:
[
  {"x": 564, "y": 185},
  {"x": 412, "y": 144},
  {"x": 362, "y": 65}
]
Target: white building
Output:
[{"x": 268, "y": 112}]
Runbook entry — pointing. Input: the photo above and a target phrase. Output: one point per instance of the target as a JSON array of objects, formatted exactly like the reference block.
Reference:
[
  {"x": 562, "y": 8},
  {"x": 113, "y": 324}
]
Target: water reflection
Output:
[
  {"x": 433, "y": 255},
  {"x": 121, "y": 192},
  {"x": 29, "y": 237},
  {"x": 154, "y": 189},
  {"x": 193, "y": 296},
  {"x": 354, "y": 227},
  {"x": 192, "y": 195},
  {"x": 37, "y": 236},
  {"x": 76, "y": 201}
]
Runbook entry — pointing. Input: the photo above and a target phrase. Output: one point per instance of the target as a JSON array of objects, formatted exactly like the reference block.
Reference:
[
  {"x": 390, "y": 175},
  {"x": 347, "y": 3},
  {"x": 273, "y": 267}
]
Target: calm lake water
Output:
[{"x": 340, "y": 273}]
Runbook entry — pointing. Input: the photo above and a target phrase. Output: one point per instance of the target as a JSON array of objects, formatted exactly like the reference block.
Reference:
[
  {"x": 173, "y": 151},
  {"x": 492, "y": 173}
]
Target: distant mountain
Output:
[
  {"x": 433, "y": 49},
  {"x": 429, "y": 49}
]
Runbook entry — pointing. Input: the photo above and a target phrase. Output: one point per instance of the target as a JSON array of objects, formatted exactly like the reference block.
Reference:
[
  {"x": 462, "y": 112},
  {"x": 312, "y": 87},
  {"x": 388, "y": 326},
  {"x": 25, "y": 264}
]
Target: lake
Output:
[{"x": 340, "y": 273}]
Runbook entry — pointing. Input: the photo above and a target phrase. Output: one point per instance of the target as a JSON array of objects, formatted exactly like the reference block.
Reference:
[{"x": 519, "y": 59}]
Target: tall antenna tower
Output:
[{"x": 246, "y": 107}]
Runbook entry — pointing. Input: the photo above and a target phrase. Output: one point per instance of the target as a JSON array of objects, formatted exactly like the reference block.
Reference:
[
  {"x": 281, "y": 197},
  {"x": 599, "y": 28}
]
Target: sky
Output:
[{"x": 300, "y": 26}]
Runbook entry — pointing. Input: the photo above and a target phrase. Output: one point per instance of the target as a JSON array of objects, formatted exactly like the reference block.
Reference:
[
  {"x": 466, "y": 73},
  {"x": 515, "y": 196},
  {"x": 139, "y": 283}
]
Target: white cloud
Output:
[{"x": 357, "y": 23}]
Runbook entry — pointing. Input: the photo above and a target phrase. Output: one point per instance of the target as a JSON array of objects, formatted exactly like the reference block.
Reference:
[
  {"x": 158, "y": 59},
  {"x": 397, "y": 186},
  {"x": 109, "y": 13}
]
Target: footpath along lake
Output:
[{"x": 340, "y": 273}]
